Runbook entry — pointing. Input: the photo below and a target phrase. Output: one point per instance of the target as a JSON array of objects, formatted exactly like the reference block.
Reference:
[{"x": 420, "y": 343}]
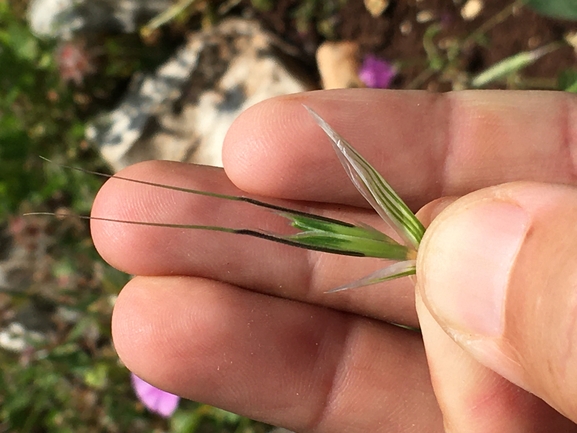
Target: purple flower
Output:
[
  {"x": 154, "y": 399},
  {"x": 74, "y": 62},
  {"x": 377, "y": 73}
]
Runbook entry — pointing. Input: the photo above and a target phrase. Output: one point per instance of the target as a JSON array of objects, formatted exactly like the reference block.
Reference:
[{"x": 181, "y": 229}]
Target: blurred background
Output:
[{"x": 101, "y": 84}]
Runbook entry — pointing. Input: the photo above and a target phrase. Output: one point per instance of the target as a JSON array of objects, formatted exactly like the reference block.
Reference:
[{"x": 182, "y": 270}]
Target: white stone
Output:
[
  {"x": 16, "y": 338},
  {"x": 338, "y": 64},
  {"x": 471, "y": 9},
  {"x": 184, "y": 110},
  {"x": 376, "y": 7},
  {"x": 61, "y": 19},
  {"x": 425, "y": 16}
]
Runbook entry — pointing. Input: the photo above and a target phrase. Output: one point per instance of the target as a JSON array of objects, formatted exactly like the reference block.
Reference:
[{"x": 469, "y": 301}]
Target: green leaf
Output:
[
  {"x": 263, "y": 5},
  {"x": 434, "y": 57},
  {"x": 512, "y": 64},
  {"x": 572, "y": 88},
  {"x": 567, "y": 80},
  {"x": 345, "y": 238},
  {"x": 326, "y": 234},
  {"x": 374, "y": 188},
  {"x": 564, "y": 9},
  {"x": 316, "y": 232}
]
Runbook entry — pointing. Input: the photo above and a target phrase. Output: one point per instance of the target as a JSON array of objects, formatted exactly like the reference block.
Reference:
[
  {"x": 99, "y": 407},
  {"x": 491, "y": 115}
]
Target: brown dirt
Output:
[{"x": 522, "y": 30}]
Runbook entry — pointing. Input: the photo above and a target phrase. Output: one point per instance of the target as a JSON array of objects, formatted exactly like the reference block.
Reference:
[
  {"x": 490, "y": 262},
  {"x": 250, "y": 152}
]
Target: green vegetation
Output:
[{"x": 72, "y": 381}]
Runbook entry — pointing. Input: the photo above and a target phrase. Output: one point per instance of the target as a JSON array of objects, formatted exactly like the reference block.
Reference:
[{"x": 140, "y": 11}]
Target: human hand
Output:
[{"x": 245, "y": 325}]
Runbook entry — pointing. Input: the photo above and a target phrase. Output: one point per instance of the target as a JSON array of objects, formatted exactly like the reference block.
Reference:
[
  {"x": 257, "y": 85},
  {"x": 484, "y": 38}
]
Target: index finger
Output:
[{"x": 426, "y": 145}]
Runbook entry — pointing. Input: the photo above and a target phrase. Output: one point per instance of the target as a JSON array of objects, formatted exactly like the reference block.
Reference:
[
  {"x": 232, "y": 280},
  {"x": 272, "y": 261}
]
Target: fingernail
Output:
[{"x": 465, "y": 263}]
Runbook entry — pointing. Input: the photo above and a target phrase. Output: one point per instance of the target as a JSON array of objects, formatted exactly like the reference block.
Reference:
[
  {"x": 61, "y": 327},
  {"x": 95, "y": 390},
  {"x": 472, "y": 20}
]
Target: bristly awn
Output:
[{"x": 326, "y": 234}]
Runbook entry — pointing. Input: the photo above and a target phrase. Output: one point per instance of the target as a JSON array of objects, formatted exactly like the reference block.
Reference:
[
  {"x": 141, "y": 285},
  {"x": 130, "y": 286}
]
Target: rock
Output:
[
  {"x": 571, "y": 39},
  {"x": 425, "y": 16},
  {"x": 376, "y": 7},
  {"x": 24, "y": 259},
  {"x": 61, "y": 19},
  {"x": 338, "y": 64},
  {"x": 183, "y": 111},
  {"x": 22, "y": 243},
  {"x": 16, "y": 338},
  {"x": 472, "y": 9}
]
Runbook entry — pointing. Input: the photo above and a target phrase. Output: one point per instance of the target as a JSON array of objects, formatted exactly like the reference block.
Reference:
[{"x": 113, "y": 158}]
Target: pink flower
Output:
[
  {"x": 154, "y": 399},
  {"x": 377, "y": 73},
  {"x": 74, "y": 61}
]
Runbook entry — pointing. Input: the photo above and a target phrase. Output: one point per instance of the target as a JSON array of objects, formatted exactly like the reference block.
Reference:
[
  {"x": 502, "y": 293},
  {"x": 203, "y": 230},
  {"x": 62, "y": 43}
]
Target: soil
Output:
[{"x": 521, "y": 30}]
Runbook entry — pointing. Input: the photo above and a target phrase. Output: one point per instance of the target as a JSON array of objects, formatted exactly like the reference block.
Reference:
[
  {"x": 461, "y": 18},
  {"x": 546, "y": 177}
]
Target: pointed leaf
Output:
[
  {"x": 396, "y": 270},
  {"x": 345, "y": 238},
  {"x": 512, "y": 64},
  {"x": 374, "y": 188},
  {"x": 564, "y": 9},
  {"x": 317, "y": 233}
]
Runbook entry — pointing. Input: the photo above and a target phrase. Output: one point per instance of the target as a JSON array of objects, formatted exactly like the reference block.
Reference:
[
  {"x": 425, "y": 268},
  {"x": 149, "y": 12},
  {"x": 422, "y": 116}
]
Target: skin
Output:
[{"x": 245, "y": 325}]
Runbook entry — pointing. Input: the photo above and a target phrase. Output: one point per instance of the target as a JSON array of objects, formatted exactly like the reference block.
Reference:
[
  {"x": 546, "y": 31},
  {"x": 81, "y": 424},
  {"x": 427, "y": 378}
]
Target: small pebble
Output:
[
  {"x": 571, "y": 39},
  {"x": 338, "y": 64},
  {"x": 471, "y": 9},
  {"x": 425, "y": 16},
  {"x": 406, "y": 27},
  {"x": 534, "y": 42},
  {"x": 376, "y": 7}
]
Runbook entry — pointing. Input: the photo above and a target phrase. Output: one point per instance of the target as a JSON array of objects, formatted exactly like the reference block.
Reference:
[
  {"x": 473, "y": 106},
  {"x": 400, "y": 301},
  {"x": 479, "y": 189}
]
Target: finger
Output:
[
  {"x": 426, "y": 145},
  {"x": 497, "y": 271},
  {"x": 286, "y": 363},
  {"x": 241, "y": 260},
  {"x": 475, "y": 399},
  {"x": 472, "y": 397}
]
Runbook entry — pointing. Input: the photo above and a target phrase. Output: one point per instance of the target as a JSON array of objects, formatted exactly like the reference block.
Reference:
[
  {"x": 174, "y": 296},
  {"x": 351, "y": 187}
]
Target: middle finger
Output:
[{"x": 241, "y": 260}]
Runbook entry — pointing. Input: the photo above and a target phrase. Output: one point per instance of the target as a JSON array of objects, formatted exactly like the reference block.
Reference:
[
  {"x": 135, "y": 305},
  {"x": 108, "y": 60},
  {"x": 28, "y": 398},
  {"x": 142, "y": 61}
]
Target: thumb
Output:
[{"x": 497, "y": 270}]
